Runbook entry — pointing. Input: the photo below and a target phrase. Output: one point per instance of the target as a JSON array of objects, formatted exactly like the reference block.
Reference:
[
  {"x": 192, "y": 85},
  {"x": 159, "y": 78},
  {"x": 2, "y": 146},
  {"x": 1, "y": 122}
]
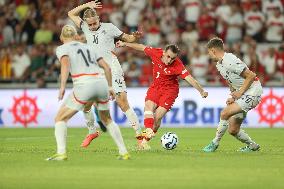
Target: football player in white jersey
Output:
[
  {"x": 90, "y": 85},
  {"x": 102, "y": 37},
  {"x": 246, "y": 91}
]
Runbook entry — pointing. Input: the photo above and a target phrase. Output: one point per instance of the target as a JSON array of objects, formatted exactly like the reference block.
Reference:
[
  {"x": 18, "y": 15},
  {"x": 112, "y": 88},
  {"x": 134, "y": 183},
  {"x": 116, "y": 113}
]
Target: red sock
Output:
[{"x": 149, "y": 123}]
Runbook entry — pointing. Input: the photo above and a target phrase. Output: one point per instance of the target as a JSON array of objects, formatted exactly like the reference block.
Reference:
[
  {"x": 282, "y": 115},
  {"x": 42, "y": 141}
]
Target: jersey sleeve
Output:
[
  {"x": 114, "y": 31},
  {"x": 181, "y": 70},
  {"x": 150, "y": 51},
  {"x": 61, "y": 51}
]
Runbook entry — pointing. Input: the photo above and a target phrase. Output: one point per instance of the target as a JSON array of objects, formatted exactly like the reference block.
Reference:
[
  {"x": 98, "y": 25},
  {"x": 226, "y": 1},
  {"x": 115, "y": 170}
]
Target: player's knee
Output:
[
  {"x": 233, "y": 131},
  {"x": 60, "y": 118},
  {"x": 224, "y": 115}
]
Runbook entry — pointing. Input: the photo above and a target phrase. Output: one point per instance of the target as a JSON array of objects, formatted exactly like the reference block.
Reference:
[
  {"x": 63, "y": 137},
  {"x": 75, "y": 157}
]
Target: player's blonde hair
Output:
[
  {"x": 68, "y": 31},
  {"x": 89, "y": 13}
]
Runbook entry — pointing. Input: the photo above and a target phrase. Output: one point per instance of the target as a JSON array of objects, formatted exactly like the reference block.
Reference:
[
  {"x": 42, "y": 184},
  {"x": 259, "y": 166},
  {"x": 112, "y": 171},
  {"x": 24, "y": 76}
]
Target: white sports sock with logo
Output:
[
  {"x": 244, "y": 137},
  {"x": 115, "y": 133},
  {"x": 222, "y": 127},
  {"x": 90, "y": 121},
  {"x": 133, "y": 119},
  {"x": 60, "y": 135}
]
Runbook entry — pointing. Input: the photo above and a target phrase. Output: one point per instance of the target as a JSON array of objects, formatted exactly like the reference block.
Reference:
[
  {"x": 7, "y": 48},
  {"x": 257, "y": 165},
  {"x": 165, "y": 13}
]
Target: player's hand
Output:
[
  {"x": 204, "y": 94},
  {"x": 111, "y": 93},
  {"x": 236, "y": 94},
  {"x": 230, "y": 101},
  {"x": 95, "y": 4},
  {"x": 137, "y": 34},
  {"x": 119, "y": 44},
  {"x": 61, "y": 93}
]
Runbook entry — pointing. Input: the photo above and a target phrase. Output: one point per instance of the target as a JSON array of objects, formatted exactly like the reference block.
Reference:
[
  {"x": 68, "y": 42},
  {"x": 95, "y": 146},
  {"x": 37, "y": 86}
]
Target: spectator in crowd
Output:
[
  {"x": 5, "y": 64},
  {"x": 37, "y": 66},
  {"x": 205, "y": 25},
  {"x": 132, "y": 76},
  {"x": 43, "y": 34},
  {"x": 251, "y": 58},
  {"x": 7, "y": 33},
  {"x": 116, "y": 16},
  {"x": 20, "y": 62},
  {"x": 235, "y": 25},
  {"x": 192, "y": 10},
  {"x": 152, "y": 36},
  {"x": 133, "y": 9},
  {"x": 275, "y": 27},
  {"x": 280, "y": 63},
  {"x": 31, "y": 23},
  {"x": 269, "y": 64},
  {"x": 254, "y": 22},
  {"x": 190, "y": 35},
  {"x": 199, "y": 66},
  {"x": 223, "y": 12},
  {"x": 19, "y": 35},
  {"x": 268, "y": 7},
  {"x": 52, "y": 65}
]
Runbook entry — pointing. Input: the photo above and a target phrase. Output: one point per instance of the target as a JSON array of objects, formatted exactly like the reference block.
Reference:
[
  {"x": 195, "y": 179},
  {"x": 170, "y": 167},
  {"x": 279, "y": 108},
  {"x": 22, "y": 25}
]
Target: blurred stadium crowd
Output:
[{"x": 252, "y": 29}]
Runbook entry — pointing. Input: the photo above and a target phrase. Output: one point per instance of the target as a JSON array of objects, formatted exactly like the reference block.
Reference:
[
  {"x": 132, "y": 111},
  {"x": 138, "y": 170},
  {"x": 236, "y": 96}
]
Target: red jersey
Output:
[{"x": 165, "y": 75}]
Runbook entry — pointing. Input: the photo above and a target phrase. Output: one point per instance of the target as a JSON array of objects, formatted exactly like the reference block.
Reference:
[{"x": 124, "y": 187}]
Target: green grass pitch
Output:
[{"x": 22, "y": 165}]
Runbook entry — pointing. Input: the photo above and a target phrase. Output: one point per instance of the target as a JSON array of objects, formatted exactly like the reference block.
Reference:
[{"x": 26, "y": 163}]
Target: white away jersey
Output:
[
  {"x": 103, "y": 38},
  {"x": 231, "y": 67},
  {"x": 83, "y": 61}
]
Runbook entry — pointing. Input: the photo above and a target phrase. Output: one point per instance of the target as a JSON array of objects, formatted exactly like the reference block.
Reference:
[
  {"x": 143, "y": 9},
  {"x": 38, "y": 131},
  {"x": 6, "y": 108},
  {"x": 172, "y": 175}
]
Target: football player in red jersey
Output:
[{"x": 161, "y": 95}]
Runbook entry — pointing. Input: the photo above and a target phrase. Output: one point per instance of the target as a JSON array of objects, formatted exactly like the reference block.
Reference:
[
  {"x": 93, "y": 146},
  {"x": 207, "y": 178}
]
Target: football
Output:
[{"x": 169, "y": 141}]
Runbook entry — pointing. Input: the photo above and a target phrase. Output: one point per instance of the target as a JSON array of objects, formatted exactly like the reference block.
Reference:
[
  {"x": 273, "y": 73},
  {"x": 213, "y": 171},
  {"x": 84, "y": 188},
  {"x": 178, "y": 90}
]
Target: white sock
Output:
[
  {"x": 222, "y": 127},
  {"x": 133, "y": 119},
  {"x": 115, "y": 133},
  {"x": 90, "y": 121},
  {"x": 244, "y": 137},
  {"x": 60, "y": 135}
]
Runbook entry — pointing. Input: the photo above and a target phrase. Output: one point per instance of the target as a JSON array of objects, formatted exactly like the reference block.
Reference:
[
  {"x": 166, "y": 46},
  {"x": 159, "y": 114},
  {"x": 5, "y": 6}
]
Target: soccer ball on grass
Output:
[{"x": 169, "y": 141}]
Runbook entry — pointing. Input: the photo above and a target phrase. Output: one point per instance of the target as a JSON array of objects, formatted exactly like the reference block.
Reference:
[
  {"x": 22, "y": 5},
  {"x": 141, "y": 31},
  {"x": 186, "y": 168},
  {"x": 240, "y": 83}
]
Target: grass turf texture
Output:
[{"x": 22, "y": 165}]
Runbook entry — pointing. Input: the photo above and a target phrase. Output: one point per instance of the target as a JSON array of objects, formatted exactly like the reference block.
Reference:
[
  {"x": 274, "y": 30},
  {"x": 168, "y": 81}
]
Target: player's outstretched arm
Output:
[
  {"x": 130, "y": 38},
  {"x": 136, "y": 46},
  {"x": 65, "y": 66},
  {"x": 249, "y": 79},
  {"x": 196, "y": 85},
  {"x": 74, "y": 13},
  {"x": 107, "y": 71}
]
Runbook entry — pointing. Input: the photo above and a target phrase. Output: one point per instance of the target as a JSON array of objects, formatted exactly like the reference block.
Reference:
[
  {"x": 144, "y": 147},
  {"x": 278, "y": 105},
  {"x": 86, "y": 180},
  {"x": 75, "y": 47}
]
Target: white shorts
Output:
[
  {"x": 83, "y": 93},
  {"x": 118, "y": 82},
  {"x": 248, "y": 102}
]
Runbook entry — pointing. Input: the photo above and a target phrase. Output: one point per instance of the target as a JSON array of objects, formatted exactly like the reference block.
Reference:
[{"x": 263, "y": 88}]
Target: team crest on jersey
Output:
[{"x": 104, "y": 32}]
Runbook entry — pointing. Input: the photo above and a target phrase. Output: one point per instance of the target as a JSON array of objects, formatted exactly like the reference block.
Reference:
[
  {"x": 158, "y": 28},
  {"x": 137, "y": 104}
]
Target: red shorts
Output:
[{"x": 162, "y": 97}]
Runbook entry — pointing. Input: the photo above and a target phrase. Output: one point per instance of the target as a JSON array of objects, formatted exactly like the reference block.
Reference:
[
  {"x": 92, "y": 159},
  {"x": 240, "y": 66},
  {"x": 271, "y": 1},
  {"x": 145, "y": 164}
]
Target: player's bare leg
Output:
[
  {"x": 235, "y": 123},
  {"x": 115, "y": 133},
  {"x": 89, "y": 117},
  {"x": 122, "y": 102},
  {"x": 63, "y": 115},
  {"x": 159, "y": 114},
  {"x": 226, "y": 113}
]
